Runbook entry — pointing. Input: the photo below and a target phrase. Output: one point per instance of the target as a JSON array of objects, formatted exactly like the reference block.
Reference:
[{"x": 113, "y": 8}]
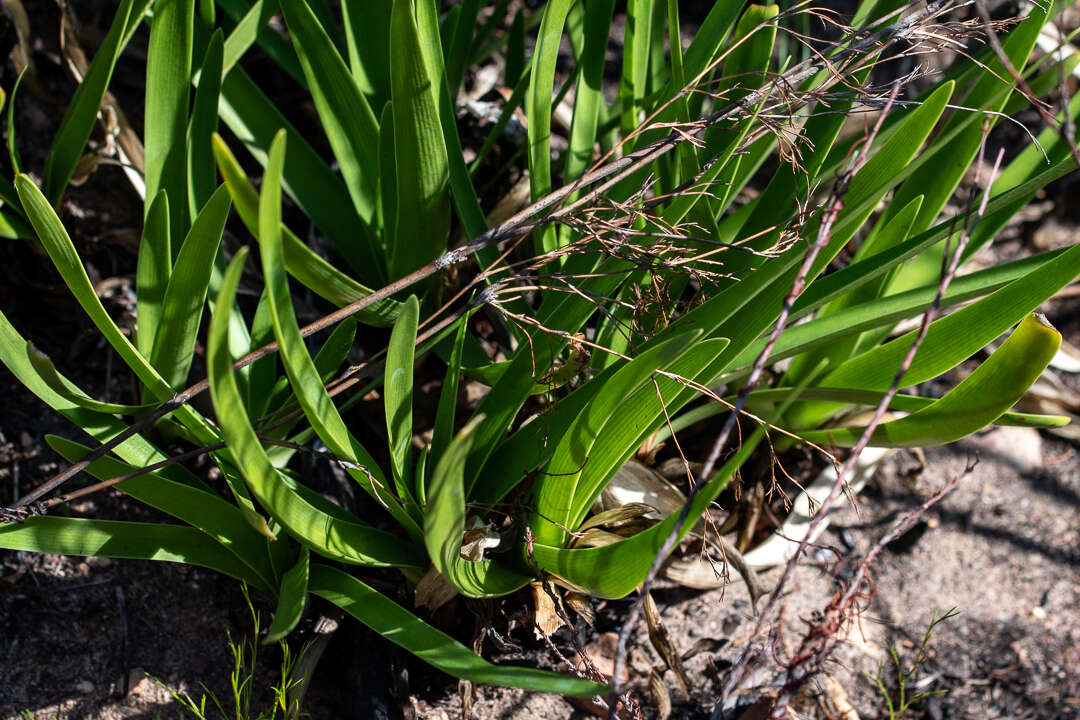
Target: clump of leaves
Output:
[{"x": 648, "y": 292}]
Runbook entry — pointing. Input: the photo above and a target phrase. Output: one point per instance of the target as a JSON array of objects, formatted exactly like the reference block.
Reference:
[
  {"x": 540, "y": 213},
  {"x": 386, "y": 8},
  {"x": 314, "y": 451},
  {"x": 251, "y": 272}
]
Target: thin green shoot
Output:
[{"x": 900, "y": 701}]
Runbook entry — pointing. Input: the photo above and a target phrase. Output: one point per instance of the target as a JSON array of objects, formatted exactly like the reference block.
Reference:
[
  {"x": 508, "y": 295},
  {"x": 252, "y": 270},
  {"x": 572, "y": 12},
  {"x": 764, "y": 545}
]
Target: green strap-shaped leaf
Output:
[
  {"x": 561, "y": 312},
  {"x": 262, "y": 380},
  {"x": 420, "y": 475},
  {"x": 12, "y": 222},
  {"x": 58, "y": 245},
  {"x": 422, "y": 225},
  {"x": 130, "y": 540},
  {"x": 168, "y": 78},
  {"x": 538, "y": 107},
  {"x": 944, "y": 164},
  {"x": 613, "y": 571},
  {"x": 387, "y": 179},
  {"x": 327, "y": 361},
  {"x": 894, "y": 233},
  {"x": 7, "y": 190},
  {"x": 901, "y": 402},
  {"x": 181, "y": 313},
  {"x": 333, "y": 536},
  {"x": 825, "y": 331},
  {"x": 447, "y": 410},
  {"x": 956, "y": 337},
  {"x": 291, "y": 599},
  {"x": 444, "y": 528},
  {"x": 457, "y": 53},
  {"x": 367, "y": 36},
  {"x": 462, "y": 191},
  {"x": 252, "y": 25},
  {"x": 1000, "y": 208},
  {"x": 318, "y": 192},
  {"x": 589, "y": 449},
  {"x": 343, "y": 110},
  {"x": 981, "y": 398},
  {"x": 635, "y": 69},
  {"x": 884, "y": 170},
  {"x": 772, "y": 281},
  {"x": 788, "y": 184},
  {"x": 235, "y": 481},
  {"x": 304, "y": 377},
  {"x": 301, "y": 262},
  {"x": 1028, "y": 164},
  {"x": 398, "y": 394},
  {"x": 434, "y": 647},
  {"x": 67, "y": 147},
  {"x": 201, "y": 178},
  {"x": 745, "y": 69},
  {"x": 588, "y": 95},
  {"x": 43, "y": 364},
  {"x": 135, "y": 450},
  {"x": 13, "y": 148},
  {"x": 880, "y": 173},
  {"x": 203, "y": 510},
  {"x": 152, "y": 273}
]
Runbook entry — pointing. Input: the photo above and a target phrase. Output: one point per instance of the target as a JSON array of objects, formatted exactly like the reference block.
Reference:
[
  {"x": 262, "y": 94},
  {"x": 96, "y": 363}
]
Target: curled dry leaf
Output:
[
  {"x": 636, "y": 497},
  {"x": 545, "y": 616},
  {"x": 674, "y": 468},
  {"x": 750, "y": 511},
  {"x": 595, "y": 537},
  {"x": 841, "y": 704},
  {"x": 433, "y": 591},
  {"x": 128, "y": 147},
  {"x": 635, "y": 483},
  {"x": 479, "y": 537},
  {"x": 21, "y": 54},
  {"x": 87, "y": 166},
  {"x": 633, "y": 516},
  {"x": 660, "y": 697},
  {"x": 699, "y": 570},
  {"x": 661, "y": 640},
  {"x": 705, "y": 644},
  {"x": 580, "y": 603},
  {"x": 1067, "y": 358},
  {"x": 1051, "y": 396}
]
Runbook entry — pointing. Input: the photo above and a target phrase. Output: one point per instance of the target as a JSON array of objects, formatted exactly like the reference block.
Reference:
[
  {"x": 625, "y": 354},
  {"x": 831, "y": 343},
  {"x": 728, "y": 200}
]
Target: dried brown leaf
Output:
[
  {"x": 839, "y": 699},
  {"x": 545, "y": 615},
  {"x": 660, "y": 697},
  {"x": 619, "y": 517},
  {"x": 433, "y": 591},
  {"x": 661, "y": 640},
  {"x": 580, "y": 603}
]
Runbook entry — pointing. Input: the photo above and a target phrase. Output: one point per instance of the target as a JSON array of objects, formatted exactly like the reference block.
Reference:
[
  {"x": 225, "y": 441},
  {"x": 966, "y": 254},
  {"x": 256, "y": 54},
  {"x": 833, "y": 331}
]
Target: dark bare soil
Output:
[{"x": 79, "y": 637}]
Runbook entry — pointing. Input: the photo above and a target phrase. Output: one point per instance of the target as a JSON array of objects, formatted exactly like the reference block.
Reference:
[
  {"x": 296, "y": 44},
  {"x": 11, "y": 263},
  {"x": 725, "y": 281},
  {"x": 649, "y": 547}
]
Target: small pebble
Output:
[
  {"x": 1038, "y": 612},
  {"x": 84, "y": 686}
]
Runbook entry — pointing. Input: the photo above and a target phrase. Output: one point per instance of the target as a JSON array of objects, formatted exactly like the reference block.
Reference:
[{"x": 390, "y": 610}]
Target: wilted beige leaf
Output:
[
  {"x": 433, "y": 591},
  {"x": 660, "y": 639}
]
